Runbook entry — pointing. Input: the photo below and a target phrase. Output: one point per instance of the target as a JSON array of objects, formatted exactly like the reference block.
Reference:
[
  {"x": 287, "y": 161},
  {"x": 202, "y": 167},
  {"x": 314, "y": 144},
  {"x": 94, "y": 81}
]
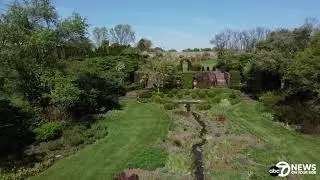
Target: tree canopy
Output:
[{"x": 122, "y": 34}]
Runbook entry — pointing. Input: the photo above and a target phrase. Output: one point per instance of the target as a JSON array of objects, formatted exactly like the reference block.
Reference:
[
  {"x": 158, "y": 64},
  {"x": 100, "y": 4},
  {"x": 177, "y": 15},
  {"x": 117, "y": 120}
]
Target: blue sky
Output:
[{"x": 181, "y": 24}]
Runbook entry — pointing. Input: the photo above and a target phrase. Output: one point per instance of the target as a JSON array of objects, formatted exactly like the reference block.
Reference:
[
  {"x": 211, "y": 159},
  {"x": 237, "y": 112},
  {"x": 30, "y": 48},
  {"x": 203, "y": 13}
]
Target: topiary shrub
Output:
[
  {"x": 169, "y": 106},
  {"x": 186, "y": 79},
  {"x": 235, "y": 80},
  {"x": 49, "y": 131},
  {"x": 270, "y": 99},
  {"x": 196, "y": 66},
  {"x": 204, "y": 106}
]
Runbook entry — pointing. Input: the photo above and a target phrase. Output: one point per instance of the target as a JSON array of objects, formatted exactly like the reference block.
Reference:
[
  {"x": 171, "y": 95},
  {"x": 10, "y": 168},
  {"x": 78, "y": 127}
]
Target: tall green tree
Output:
[{"x": 144, "y": 44}]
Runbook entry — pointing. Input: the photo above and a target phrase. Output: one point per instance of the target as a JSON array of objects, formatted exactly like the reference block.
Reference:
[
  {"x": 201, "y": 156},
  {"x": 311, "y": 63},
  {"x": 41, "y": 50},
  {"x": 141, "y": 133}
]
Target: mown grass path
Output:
[{"x": 137, "y": 127}]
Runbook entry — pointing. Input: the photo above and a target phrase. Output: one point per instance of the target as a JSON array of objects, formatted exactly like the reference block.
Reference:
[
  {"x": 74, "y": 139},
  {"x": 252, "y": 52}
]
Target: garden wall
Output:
[{"x": 206, "y": 79}]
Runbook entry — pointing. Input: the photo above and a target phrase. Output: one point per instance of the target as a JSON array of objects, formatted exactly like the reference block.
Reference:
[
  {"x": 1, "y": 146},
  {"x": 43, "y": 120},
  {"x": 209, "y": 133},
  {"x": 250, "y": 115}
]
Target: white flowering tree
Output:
[{"x": 161, "y": 71}]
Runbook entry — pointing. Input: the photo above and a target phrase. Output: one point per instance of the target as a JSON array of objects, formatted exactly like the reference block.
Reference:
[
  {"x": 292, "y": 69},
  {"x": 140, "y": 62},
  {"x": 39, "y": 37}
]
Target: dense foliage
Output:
[
  {"x": 285, "y": 65},
  {"x": 53, "y": 80}
]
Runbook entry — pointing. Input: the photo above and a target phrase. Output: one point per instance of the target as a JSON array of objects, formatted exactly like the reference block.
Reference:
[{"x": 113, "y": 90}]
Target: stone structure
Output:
[
  {"x": 178, "y": 83},
  {"x": 207, "y": 79},
  {"x": 203, "y": 79},
  {"x": 194, "y": 83},
  {"x": 185, "y": 66}
]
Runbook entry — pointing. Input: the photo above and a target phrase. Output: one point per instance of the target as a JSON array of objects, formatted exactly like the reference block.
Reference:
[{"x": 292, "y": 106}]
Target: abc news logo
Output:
[
  {"x": 274, "y": 171},
  {"x": 283, "y": 169}
]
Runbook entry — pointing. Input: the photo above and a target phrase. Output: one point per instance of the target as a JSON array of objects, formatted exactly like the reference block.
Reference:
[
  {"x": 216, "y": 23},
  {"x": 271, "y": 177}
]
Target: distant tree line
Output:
[
  {"x": 197, "y": 50},
  {"x": 239, "y": 40}
]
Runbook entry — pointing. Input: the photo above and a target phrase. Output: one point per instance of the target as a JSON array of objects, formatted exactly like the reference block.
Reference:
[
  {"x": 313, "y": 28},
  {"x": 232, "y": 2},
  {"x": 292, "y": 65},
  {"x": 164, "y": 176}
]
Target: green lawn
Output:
[
  {"x": 208, "y": 63},
  {"x": 131, "y": 131},
  {"x": 281, "y": 144}
]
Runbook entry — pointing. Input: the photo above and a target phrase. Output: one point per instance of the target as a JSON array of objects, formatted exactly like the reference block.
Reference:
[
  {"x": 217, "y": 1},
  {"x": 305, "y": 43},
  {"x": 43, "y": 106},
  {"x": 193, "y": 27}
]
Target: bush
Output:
[
  {"x": 216, "y": 99},
  {"x": 170, "y": 94},
  {"x": 145, "y": 94},
  {"x": 214, "y": 68},
  {"x": 75, "y": 139},
  {"x": 186, "y": 79},
  {"x": 180, "y": 95},
  {"x": 97, "y": 131},
  {"x": 196, "y": 66},
  {"x": 202, "y": 93},
  {"x": 49, "y": 131},
  {"x": 74, "y": 136},
  {"x": 235, "y": 79},
  {"x": 15, "y": 123},
  {"x": 235, "y": 97},
  {"x": 186, "y": 92},
  {"x": 64, "y": 94},
  {"x": 225, "y": 103},
  {"x": 204, "y": 106},
  {"x": 269, "y": 99},
  {"x": 97, "y": 94},
  {"x": 52, "y": 145},
  {"x": 169, "y": 106},
  {"x": 133, "y": 87},
  {"x": 211, "y": 94},
  {"x": 162, "y": 95},
  {"x": 194, "y": 95},
  {"x": 157, "y": 99},
  {"x": 235, "y": 94}
]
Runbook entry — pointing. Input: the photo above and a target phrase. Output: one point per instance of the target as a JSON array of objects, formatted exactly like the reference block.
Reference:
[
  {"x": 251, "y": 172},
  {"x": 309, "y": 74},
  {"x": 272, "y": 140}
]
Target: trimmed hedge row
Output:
[
  {"x": 186, "y": 79},
  {"x": 235, "y": 80}
]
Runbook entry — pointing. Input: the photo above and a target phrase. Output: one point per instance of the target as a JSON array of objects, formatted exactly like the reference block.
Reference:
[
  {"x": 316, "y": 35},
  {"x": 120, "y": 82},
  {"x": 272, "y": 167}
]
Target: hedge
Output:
[
  {"x": 235, "y": 80},
  {"x": 186, "y": 79}
]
